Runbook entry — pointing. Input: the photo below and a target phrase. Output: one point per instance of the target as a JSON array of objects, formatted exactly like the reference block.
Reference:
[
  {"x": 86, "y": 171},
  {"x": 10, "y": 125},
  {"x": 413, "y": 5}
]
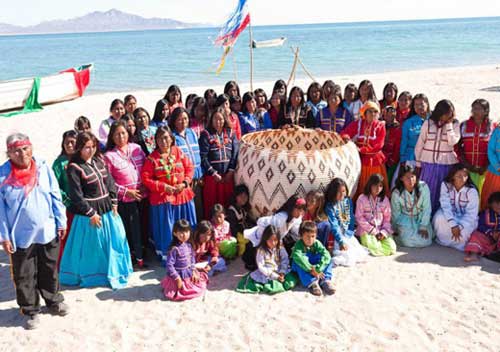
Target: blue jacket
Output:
[
  {"x": 494, "y": 152},
  {"x": 189, "y": 146},
  {"x": 32, "y": 219},
  {"x": 342, "y": 225},
  {"x": 248, "y": 123},
  {"x": 409, "y": 137}
]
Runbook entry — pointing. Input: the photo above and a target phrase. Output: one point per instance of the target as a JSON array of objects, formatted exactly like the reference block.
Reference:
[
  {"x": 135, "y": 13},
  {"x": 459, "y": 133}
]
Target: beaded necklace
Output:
[
  {"x": 409, "y": 202},
  {"x": 168, "y": 166}
]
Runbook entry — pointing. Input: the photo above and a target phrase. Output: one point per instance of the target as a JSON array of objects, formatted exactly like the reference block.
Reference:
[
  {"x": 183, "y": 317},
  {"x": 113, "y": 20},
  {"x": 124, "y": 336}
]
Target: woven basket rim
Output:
[{"x": 333, "y": 135}]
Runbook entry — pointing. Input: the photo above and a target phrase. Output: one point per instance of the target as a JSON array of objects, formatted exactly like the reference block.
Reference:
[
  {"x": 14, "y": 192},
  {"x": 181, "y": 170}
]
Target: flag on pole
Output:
[{"x": 231, "y": 29}]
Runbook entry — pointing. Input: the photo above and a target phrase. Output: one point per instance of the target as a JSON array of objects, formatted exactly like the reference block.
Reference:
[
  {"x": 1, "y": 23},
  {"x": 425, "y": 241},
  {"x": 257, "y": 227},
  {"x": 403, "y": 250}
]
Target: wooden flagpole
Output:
[{"x": 251, "y": 55}]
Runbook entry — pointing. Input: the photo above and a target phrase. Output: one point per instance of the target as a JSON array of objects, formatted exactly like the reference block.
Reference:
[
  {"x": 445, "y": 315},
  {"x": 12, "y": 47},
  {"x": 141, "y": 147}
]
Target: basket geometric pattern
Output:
[{"x": 276, "y": 164}]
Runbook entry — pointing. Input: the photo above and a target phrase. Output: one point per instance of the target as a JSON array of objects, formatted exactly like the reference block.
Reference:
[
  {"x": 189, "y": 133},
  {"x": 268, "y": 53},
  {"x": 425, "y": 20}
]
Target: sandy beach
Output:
[{"x": 418, "y": 300}]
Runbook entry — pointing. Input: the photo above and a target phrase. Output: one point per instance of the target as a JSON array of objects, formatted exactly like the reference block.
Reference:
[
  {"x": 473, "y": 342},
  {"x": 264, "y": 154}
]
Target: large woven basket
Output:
[{"x": 276, "y": 164}]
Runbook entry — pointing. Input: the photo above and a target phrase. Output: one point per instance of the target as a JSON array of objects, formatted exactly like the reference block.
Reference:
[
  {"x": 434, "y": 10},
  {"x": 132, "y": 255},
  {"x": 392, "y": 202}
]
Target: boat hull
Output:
[{"x": 53, "y": 89}]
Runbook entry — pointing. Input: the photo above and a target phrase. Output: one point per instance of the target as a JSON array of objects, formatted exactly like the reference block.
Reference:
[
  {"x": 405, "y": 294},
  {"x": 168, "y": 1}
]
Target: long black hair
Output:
[
  {"x": 248, "y": 96},
  {"x": 157, "y": 116},
  {"x": 232, "y": 84},
  {"x": 442, "y": 108},
  {"x": 173, "y": 89},
  {"x": 333, "y": 189},
  {"x": 419, "y": 96},
  {"x": 456, "y": 168},
  {"x": 110, "y": 144},
  {"x": 269, "y": 232},
  {"x": 404, "y": 169},
  {"x": 175, "y": 115},
  {"x": 375, "y": 179},
  {"x": 290, "y": 204},
  {"x": 181, "y": 225},
  {"x": 67, "y": 134}
]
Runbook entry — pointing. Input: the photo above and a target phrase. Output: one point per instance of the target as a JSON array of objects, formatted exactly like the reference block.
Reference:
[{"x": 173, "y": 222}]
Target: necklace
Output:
[
  {"x": 344, "y": 212},
  {"x": 168, "y": 166},
  {"x": 409, "y": 202},
  {"x": 373, "y": 206}
]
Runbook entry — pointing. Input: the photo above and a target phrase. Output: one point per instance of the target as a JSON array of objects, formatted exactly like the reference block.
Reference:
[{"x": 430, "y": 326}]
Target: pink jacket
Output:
[
  {"x": 373, "y": 216},
  {"x": 126, "y": 169}
]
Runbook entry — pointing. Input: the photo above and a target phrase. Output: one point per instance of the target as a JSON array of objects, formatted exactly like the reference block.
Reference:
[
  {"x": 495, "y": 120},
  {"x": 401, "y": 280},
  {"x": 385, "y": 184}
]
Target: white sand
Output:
[{"x": 419, "y": 300}]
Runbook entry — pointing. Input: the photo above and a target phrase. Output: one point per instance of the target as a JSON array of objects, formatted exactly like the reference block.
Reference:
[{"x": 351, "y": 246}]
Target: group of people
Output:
[{"x": 169, "y": 181}]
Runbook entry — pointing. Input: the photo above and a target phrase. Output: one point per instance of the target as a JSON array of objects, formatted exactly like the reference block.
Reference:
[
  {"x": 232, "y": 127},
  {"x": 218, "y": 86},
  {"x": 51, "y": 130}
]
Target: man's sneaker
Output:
[
  {"x": 60, "y": 309},
  {"x": 32, "y": 322},
  {"x": 328, "y": 287},
  {"x": 315, "y": 289}
]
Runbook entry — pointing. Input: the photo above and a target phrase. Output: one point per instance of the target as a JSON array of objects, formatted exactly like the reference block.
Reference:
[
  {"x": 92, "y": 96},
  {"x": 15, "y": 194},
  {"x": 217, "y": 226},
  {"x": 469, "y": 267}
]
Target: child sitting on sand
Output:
[
  {"x": 486, "y": 239},
  {"x": 315, "y": 211},
  {"x": 226, "y": 243},
  {"x": 273, "y": 270},
  {"x": 373, "y": 217},
  {"x": 312, "y": 262},
  {"x": 340, "y": 210},
  {"x": 238, "y": 217},
  {"x": 183, "y": 281},
  {"x": 206, "y": 249},
  {"x": 287, "y": 220}
]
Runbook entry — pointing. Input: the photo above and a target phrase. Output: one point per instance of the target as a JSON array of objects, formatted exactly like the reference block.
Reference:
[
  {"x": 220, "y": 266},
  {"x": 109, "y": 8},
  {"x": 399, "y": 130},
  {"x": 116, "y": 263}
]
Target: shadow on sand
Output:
[{"x": 444, "y": 256}]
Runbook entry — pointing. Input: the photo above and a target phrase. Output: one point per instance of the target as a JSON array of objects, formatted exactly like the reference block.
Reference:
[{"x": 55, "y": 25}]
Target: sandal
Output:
[{"x": 315, "y": 289}]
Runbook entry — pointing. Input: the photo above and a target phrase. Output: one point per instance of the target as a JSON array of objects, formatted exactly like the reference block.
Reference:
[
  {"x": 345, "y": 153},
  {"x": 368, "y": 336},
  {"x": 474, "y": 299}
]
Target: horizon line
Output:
[{"x": 197, "y": 25}]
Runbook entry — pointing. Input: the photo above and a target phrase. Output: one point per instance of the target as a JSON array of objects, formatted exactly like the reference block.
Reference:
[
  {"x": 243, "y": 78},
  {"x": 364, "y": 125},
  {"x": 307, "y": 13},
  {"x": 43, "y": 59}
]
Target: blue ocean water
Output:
[{"x": 155, "y": 59}]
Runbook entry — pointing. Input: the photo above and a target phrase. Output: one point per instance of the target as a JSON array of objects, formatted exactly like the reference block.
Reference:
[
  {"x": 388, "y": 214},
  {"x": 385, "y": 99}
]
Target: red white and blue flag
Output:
[{"x": 231, "y": 29}]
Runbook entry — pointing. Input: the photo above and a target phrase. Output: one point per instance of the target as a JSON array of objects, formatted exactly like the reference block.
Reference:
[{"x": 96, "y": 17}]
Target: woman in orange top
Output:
[
  {"x": 369, "y": 134},
  {"x": 167, "y": 173}
]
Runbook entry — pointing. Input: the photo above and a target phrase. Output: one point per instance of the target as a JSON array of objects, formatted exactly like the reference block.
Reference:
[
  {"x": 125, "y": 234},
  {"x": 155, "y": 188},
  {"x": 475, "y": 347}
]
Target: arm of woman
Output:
[
  {"x": 453, "y": 132},
  {"x": 470, "y": 218},
  {"x": 444, "y": 201},
  {"x": 425, "y": 199},
  {"x": 422, "y": 138},
  {"x": 234, "y": 155},
  {"x": 334, "y": 223},
  {"x": 204, "y": 142},
  {"x": 396, "y": 206},
  {"x": 58, "y": 207},
  {"x": 60, "y": 173},
  {"x": 376, "y": 145},
  {"x": 493, "y": 153},
  {"x": 120, "y": 190},
  {"x": 188, "y": 167},
  {"x": 364, "y": 224},
  {"x": 284, "y": 266},
  {"x": 111, "y": 185},
  {"x": 386, "y": 228},
  {"x": 404, "y": 142}
]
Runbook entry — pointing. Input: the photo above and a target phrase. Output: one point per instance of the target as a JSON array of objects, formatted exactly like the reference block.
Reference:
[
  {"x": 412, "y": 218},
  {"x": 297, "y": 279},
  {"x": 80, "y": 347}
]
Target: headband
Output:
[
  {"x": 300, "y": 201},
  {"x": 18, "y": 144}
]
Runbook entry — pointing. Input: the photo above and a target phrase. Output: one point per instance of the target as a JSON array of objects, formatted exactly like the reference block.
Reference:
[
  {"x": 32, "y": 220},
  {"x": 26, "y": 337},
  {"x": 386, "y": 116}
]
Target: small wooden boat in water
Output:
[
  {"x": 268, "y": 43},
  {"x": 65, "y": 85}
]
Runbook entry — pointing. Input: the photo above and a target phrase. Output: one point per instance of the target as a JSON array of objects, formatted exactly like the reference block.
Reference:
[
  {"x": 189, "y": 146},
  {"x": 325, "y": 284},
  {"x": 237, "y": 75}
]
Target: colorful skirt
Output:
[
  {"x": 355, "y": 252},
  {"x": 443, "y": 231},
  {"x": 377, "y": 248},
  {"x": 216, "y": 193},
  {"x": 481, "y": 244},
  {"x": 249, "y": 285},
  {"x": 163, "y": 218},
  {"x": 189, "y": 288},
  {"x": 96, "y": 256},
  {"x": 434, "y": 175},
  {"x": 491, "y": 184},
  {"x": 69, "y": 217},
  {"x": 478, "y": 180},
  {"x": 366, "y": 172}
]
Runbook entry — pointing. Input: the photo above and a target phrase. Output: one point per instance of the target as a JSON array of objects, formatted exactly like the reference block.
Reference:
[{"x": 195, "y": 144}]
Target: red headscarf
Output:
[{"x": 18, "y": 177}]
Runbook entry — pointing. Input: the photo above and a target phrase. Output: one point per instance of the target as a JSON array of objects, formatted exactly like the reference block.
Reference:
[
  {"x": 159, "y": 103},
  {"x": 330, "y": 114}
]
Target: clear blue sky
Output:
[{"x": 28, "y": 12}]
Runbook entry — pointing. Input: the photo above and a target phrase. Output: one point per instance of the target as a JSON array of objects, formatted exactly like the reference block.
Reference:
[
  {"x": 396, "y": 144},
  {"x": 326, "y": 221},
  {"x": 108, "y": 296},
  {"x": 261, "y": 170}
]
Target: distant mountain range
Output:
[{"x": 110, "y": 21}]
